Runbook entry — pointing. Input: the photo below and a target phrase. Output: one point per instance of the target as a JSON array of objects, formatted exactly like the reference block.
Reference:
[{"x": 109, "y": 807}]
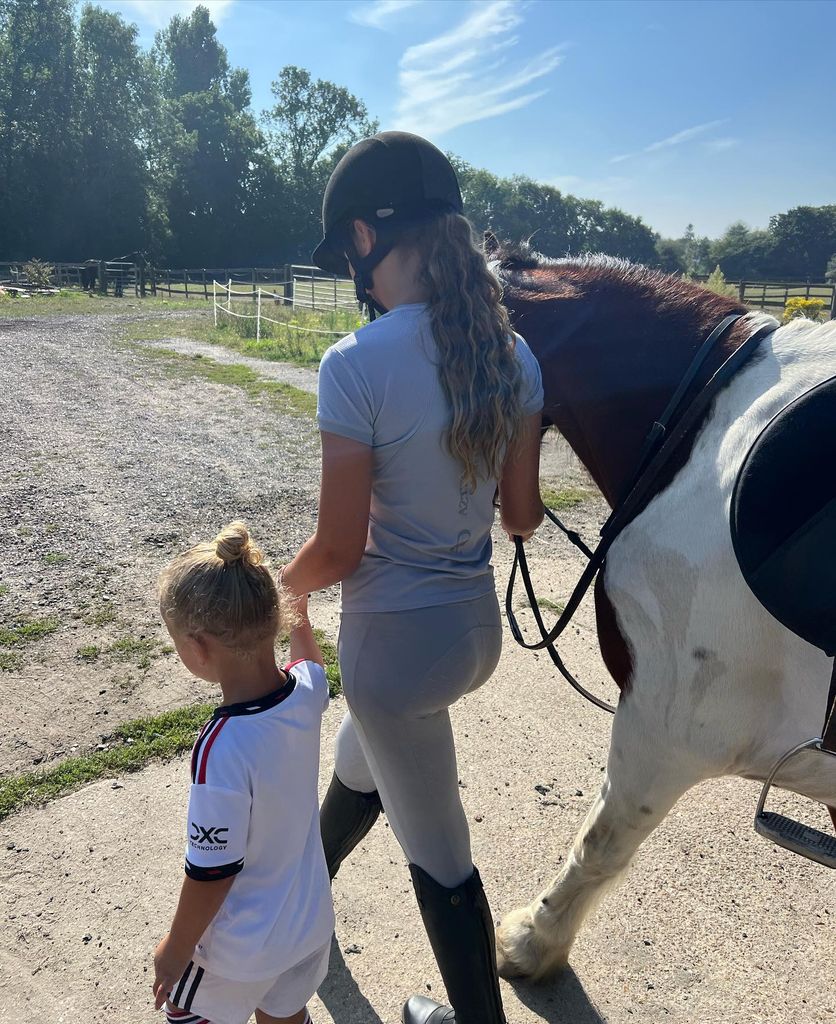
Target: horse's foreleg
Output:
[{"x": 643, "y": 782}]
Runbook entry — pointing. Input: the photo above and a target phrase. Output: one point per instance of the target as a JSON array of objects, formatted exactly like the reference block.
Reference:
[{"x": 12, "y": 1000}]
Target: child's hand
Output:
[{"x": 169, "y": 964}]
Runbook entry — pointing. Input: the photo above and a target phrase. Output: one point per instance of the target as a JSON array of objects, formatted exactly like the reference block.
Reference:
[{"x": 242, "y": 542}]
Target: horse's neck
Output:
[{"x": 607, "y": 380}]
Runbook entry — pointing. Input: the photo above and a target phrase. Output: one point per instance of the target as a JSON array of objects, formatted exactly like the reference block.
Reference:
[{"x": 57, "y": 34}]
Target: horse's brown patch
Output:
[
  {"x": 614, "y": 647},
  {"x": 613, "y": 340}
]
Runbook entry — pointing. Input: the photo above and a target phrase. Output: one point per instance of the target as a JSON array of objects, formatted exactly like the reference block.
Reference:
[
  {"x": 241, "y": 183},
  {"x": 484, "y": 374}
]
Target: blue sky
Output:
[{"x": 676, "y": 111}]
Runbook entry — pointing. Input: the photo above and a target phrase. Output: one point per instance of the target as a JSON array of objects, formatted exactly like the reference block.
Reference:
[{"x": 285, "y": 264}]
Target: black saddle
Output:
[{"x": 783, "y": 517}]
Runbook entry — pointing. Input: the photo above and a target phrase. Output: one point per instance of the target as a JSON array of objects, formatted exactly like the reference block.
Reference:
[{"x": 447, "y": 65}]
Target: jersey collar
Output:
[{"x": 253, "y": 707}]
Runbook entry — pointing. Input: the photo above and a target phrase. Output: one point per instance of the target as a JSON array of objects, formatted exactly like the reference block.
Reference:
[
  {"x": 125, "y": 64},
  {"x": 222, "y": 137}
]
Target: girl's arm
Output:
[
  {"x": 196, "y": 909},
  {"x": 335, "y": 550},
  {"x": 303, "y": 645},
  {"x": 521, "y": 507}
]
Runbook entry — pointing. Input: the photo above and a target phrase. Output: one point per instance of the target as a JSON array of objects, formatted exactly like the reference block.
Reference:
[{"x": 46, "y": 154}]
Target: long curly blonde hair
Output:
[{"x": 479, "y": 372}]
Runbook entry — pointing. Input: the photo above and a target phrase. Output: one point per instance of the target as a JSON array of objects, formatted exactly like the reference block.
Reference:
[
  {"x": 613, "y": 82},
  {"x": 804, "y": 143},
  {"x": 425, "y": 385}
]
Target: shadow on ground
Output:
[
  {"x": 341, "y": 995},
  {"x": 562, "y": 1001}
]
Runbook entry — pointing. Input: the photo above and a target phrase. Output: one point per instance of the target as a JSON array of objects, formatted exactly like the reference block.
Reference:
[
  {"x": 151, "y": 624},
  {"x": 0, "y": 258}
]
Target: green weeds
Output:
[
  {"x": 564, "y": 498},
  {"x": 285, "y": 397}
]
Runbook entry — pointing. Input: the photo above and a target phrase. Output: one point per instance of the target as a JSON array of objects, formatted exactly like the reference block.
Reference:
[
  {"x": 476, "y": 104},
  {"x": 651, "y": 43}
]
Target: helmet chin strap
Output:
[{"x": 363, "y": 267}]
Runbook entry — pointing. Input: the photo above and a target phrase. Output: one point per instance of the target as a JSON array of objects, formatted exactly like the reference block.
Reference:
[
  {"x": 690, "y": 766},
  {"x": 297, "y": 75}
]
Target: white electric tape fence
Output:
[{"x": 223, "y": 294}]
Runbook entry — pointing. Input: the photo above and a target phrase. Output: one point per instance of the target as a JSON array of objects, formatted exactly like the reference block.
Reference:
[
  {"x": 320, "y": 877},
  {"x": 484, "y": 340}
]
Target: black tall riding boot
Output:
[
  {"x": 460, "y": 929},
  {"x": 345, "y": 817}
]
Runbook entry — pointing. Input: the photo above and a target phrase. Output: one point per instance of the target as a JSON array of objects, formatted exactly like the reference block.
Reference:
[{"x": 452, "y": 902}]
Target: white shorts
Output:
[{"x": 200, "y": 995}]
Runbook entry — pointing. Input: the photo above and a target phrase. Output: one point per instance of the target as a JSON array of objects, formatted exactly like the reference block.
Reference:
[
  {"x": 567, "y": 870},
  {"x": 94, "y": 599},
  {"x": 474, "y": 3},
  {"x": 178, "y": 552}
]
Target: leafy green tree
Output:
[
  {"x": 804, "y": 240},
  {"x": 38, "y": 136},
  {"x": 310, "y": 126},
  {"x": 210, "y": 145},
  {"x": 670, "y": 255},
  {"x": 112, "y": 201},
  {"x": 743, "y": 253}
]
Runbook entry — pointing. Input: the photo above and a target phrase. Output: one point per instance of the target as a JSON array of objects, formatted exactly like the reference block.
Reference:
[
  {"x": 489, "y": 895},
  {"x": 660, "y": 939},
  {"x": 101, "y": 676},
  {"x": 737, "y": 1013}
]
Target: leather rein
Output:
[{"x": 659, "y": 446}]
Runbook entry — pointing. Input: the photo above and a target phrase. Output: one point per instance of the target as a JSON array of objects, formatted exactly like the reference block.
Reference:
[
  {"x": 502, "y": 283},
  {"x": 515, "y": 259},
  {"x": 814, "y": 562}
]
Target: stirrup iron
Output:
[{"x": 788, "y": 833}]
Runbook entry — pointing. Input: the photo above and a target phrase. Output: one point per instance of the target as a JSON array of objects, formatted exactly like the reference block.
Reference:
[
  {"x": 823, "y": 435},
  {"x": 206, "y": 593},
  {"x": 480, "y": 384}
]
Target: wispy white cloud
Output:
[
  {"x": 579, "y": 186},
  {"x": 379, "y": 13},
  {"x": 718, "y": 145},
  {"x": 672, "y": 140},
  {"x": 465, "y": 75},
  {"x": 158, "y": 13}
]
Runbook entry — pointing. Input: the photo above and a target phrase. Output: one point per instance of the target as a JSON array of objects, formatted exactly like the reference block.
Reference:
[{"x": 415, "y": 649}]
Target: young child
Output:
[{"x": 254, "y": 921}]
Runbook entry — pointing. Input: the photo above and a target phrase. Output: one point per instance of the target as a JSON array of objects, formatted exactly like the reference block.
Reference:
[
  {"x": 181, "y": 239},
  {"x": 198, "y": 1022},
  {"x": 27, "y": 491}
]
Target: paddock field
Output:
[{"x": 132, "y": 431}]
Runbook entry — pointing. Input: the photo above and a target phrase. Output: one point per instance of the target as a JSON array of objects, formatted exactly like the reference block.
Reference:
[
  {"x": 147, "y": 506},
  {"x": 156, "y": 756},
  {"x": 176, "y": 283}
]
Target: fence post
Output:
[
  {"x": 741, "y": 291},
  {"x": 102, "y": 277},
  {"x": 215, "y": 300},
  {"x": 288, "y": 284},
  {"x": 254, "y": 281},
  {"x": 186, "y": 282},
  {"x": 833, "y": 303},
  {"x": 258, "y": 317},
  {"x": 807, "y": 289},
  {"x": 205, "y": 289},
  {"x": 168, "y": 282},
  {"x": 313, "y": 293},
  {"x": 229, "y": 294}
]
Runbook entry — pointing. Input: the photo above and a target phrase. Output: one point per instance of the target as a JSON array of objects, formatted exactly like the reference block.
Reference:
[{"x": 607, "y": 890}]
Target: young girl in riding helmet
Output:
[{"x": 424, "y": 412}]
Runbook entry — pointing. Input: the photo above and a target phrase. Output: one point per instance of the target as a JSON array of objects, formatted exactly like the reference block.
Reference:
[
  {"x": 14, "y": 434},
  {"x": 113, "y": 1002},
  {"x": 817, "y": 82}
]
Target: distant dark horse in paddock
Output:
[{"x": 711, "y": 684}]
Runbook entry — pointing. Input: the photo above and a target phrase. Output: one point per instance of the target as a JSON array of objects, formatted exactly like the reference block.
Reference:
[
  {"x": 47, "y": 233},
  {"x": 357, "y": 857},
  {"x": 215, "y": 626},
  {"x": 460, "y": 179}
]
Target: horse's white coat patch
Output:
[{"x": 719, "y": 686}]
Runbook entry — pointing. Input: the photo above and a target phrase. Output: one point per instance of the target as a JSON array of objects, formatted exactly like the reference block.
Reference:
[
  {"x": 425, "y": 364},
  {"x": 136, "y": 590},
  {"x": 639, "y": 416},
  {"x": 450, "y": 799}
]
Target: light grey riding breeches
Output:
[{"x": 401, "y": 671}]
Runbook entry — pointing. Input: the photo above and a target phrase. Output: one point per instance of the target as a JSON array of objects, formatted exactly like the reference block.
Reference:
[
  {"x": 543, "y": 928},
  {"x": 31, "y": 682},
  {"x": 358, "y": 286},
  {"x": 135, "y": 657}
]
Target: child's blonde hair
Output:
[{"x": 224, "y": 588}]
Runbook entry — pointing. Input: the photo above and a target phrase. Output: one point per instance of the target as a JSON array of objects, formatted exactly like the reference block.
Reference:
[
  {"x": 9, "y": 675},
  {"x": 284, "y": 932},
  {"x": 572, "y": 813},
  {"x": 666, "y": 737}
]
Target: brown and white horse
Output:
[{"x": 711, "y": 684}]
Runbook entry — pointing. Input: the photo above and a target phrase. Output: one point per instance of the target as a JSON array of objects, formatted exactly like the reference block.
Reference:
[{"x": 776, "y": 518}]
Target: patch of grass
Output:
[
  {"x": 131, "y": 747},
  {"x": 9, "y": 661},
  {"x": 70, "y": 300},
  {"x": 89, "y": 652},
  {"x": 332, "y": 665},
  {"x": 56, "y": 558},
  {"x": 284, "y": 396},
  {"x": 27, "y": 631},
  {"x": 564, "y": 498},
  {"x": 544, "y": 603},
  {"x": 100, "y": 616},
  {"x": 3, "y": 590},
  {"x": 138, "y": 649},
  {"x": 293, "y": 340}
]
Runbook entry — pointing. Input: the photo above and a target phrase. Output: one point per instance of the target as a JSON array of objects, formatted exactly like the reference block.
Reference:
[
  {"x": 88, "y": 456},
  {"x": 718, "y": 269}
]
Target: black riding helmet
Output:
[{"x": 391, "y": 180}]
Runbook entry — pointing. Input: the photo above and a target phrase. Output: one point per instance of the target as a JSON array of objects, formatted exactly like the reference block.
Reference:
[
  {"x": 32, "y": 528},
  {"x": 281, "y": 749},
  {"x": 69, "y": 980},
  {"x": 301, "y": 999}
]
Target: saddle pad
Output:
[{"x": 783, "y": 517}]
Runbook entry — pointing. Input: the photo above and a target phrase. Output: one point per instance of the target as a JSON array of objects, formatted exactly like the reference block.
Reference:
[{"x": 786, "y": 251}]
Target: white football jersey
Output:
[{"x": 254, "y": 813}]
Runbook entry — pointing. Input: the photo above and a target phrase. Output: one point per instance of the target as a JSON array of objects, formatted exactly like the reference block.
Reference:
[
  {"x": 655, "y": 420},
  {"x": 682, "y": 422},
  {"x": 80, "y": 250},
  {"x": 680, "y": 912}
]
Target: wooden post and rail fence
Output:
[{"x": 303, "y": 285}]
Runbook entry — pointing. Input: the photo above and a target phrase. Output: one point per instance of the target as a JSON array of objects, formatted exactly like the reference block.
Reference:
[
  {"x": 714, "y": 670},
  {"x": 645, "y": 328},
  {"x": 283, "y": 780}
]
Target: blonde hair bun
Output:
[{"x": 233, "y": 544}]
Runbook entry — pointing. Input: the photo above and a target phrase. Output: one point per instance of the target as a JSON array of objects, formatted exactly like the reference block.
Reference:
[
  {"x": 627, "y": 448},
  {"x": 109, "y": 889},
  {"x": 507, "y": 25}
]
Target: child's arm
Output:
[
  {"x": 303, "y": 645},
  {"x": 199, "y": 903}
]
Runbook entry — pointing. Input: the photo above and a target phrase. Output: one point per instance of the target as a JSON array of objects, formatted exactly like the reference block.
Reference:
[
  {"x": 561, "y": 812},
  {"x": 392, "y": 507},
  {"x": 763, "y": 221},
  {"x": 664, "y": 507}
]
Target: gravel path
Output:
[
  {"x": 111, "y": 466},
  {"x": 115, "y": 464}
]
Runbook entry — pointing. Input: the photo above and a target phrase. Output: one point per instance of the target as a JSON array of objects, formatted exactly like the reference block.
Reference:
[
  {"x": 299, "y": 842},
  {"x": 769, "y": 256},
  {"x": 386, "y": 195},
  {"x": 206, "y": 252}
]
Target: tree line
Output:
[{"x": 108, "y": 149}]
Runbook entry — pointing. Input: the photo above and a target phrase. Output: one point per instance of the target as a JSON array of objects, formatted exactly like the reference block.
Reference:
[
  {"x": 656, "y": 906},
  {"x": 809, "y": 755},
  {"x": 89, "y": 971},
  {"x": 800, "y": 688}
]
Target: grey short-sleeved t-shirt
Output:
[{"x": 429, "y": 539}]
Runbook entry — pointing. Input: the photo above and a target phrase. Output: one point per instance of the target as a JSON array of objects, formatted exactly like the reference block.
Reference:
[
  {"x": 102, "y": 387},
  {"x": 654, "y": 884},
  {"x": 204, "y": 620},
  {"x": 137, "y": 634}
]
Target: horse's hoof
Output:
[
  {"x": 515, "y": 941},
  {"x": 521, "y": 952}
]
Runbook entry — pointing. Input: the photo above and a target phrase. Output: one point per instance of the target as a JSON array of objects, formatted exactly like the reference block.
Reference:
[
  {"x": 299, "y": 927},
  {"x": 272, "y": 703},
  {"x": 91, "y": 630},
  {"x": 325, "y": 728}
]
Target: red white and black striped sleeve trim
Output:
[
  {"x": 202, "y": 748},
  {"x": 213, "y": 874}
]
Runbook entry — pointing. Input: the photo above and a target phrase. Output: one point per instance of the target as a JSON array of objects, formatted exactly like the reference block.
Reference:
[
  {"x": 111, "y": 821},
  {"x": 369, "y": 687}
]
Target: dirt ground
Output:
[{"x": 109, "y": 466}]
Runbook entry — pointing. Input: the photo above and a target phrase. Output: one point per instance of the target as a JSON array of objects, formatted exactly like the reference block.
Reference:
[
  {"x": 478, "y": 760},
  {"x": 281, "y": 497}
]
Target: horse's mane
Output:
[{"x": 521, "y": 267}]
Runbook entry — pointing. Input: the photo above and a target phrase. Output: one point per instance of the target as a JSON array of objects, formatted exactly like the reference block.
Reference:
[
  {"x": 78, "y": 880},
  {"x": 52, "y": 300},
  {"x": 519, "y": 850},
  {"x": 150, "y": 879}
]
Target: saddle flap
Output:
[{"x": 783, "y": 517}]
